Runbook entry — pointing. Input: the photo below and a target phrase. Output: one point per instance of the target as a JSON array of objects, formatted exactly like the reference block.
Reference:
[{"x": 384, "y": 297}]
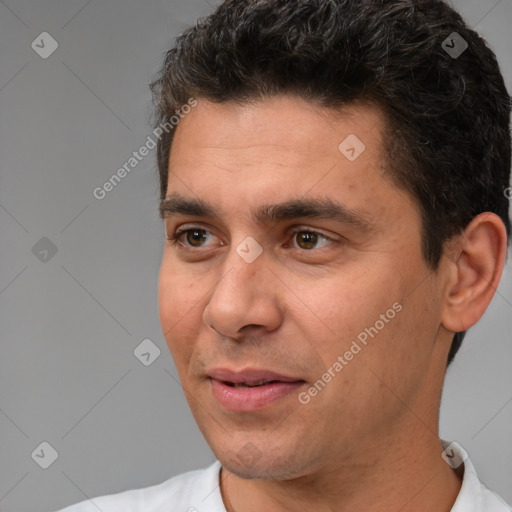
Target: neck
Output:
[{"x": 408, "y": 475}]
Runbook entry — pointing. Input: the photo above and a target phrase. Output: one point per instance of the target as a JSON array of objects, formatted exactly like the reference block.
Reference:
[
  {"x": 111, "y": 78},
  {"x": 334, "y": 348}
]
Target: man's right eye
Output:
[{"x": 190, "y": 237}]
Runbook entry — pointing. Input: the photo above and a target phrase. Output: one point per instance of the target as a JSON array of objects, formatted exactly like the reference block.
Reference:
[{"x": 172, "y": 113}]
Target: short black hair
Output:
[{"x": 447, "y": 132}]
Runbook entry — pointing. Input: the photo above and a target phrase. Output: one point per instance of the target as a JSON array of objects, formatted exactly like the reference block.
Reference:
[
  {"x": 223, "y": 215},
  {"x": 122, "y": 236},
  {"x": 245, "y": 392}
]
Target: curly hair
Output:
[{"x": 447, "y": 132}]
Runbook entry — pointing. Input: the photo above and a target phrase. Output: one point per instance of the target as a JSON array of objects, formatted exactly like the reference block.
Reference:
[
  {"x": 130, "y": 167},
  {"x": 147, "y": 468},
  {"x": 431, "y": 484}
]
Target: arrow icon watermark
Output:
[
  {"x": 454, "y": 45},
  {"x": 44, "y": 45},
  {"x": 44, "y": 250},
  {"x": 352, "y": 147},
  {"x": 146, "y": 352},
  {"x": 45, "y": 455},
  {"x": 249, "y": 249}
]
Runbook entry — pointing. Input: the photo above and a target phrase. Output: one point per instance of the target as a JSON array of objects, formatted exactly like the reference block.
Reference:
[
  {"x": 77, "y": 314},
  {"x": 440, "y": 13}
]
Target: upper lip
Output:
[{"x": 248, "y": 375}]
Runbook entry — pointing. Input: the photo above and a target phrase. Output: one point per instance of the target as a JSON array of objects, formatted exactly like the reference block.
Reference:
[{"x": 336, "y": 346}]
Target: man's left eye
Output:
[{"x": 308, "y": 240}]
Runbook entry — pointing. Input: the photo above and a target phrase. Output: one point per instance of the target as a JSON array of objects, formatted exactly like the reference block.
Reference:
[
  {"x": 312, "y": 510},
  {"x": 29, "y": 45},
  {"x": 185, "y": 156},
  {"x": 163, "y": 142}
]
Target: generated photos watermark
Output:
[
  {"x": 355, "y": 348},
  {"x": 137, "y": 156}
]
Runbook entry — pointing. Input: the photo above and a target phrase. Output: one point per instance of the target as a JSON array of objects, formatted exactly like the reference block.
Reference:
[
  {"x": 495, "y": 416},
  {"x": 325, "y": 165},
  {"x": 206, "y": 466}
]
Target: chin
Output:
[{"x": 251, "y": 463}]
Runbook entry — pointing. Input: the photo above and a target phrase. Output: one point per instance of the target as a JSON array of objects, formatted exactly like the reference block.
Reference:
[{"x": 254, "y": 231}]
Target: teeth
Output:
[{"x": 252, "y": 385}]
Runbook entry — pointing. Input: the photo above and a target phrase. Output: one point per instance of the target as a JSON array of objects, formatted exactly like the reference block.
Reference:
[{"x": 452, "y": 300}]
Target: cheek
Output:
[
  {"x": 339, "y": 307},
  {"x": 180, "y": 303}
]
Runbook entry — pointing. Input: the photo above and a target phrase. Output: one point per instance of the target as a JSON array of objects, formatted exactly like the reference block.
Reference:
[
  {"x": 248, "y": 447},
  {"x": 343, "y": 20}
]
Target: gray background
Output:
[{"x": 70, "y": 324}]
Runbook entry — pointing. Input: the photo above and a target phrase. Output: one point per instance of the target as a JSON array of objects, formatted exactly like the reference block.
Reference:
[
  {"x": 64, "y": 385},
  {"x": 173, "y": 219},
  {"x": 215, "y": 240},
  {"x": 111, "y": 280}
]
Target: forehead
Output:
[
  {"x": 295, "y": 140},
  {"x": 277, "y": 123},
  {"x": 242, "y": 156}
]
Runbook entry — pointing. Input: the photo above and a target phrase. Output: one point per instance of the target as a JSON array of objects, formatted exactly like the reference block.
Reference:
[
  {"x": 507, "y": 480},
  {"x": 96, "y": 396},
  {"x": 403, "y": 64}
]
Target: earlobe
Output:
[{"x": 475, "y": 272}]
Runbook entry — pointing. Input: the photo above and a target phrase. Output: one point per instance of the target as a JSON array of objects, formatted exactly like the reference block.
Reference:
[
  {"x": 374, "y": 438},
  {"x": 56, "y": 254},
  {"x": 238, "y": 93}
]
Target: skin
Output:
[{"x": 369, "y": 440}]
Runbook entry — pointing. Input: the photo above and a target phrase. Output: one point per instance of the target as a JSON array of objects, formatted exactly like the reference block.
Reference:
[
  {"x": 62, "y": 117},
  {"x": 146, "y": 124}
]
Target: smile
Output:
[{"x": 250, "y": 390}]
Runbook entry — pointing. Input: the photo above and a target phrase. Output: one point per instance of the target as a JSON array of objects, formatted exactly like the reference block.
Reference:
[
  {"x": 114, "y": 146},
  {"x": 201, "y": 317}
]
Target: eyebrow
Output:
[
  {"x": 317, "y": 208},
  {"x": 175, "y": 203}
]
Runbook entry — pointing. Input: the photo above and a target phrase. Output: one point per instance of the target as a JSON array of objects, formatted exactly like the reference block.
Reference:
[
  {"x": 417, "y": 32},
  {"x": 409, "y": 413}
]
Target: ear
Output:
[{"x": 477, "y": 264}]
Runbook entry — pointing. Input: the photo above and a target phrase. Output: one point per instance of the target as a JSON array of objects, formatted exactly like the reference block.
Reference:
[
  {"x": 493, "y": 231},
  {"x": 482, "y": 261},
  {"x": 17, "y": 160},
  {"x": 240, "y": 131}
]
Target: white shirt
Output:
[{"x": 199, "y": 491}]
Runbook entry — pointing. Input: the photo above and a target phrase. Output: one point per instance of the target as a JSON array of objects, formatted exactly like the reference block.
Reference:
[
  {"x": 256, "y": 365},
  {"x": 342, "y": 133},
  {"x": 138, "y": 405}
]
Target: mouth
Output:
[
  {"x": 242, "y": 385},
  {"x": 250, "y": 389}
]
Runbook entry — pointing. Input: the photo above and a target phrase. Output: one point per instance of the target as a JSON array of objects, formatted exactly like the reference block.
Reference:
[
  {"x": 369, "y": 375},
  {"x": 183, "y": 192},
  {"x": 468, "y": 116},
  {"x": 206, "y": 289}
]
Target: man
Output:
[{"x": 333, "y": 189}]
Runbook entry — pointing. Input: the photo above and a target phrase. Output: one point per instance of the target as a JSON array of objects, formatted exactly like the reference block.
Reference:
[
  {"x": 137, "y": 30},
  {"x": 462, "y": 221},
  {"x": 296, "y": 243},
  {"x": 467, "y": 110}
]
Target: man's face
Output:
[{"x": 269, "y": 286}]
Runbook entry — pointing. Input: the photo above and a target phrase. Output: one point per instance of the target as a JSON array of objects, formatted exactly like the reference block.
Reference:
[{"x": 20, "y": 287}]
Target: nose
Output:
[{"x": 244, "y": 298}]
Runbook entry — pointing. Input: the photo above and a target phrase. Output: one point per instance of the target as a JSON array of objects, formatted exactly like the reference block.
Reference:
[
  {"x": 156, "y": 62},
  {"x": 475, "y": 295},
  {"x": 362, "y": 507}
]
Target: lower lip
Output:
[{"x": 251, "y": 399}]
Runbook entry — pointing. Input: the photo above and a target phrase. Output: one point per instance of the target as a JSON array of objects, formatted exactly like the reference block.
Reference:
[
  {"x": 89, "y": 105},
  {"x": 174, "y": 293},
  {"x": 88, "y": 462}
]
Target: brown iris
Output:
[
  {"x": 306, "y": 239},
  {"x": 195, "y": 237}
]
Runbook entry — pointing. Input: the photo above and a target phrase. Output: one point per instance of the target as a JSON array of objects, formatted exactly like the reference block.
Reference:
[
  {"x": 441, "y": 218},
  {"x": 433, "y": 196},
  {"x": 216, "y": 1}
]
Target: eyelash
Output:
[{"x": 175, "y": 238}]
